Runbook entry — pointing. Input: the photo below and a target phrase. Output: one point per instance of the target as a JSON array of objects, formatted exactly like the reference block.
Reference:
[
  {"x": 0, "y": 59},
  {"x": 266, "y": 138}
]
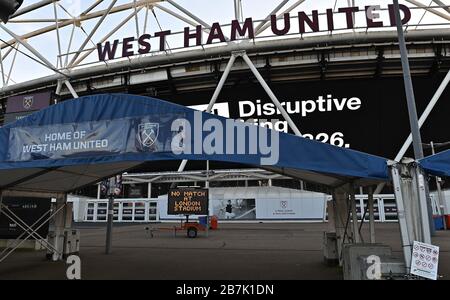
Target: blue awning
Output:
[
  {"x": 438, "y": 164},
  {"x": 82, "y": 141}
]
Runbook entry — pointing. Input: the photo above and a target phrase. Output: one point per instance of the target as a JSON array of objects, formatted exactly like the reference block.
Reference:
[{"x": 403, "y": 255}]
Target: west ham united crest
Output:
[
  {"x": 148, "y": 134},
  {"x": 28, "y": 102}
]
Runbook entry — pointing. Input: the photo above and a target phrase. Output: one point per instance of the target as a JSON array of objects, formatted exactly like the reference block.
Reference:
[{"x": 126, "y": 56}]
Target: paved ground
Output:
[{"x": 236, "y": 251}]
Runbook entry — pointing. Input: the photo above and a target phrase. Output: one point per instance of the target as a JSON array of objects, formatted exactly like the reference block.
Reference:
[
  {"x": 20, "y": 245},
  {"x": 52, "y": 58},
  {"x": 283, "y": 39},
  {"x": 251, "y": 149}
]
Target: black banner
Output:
[
  {"x": 29, "y": 210},
  {"x": 368, "y": 115},
  {"x": 188, "y": 201}
]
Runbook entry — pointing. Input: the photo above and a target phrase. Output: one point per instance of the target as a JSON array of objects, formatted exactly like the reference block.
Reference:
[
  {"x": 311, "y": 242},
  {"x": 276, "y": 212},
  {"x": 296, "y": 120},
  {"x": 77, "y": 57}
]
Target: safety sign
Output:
[{"x": 425, "y": 260}]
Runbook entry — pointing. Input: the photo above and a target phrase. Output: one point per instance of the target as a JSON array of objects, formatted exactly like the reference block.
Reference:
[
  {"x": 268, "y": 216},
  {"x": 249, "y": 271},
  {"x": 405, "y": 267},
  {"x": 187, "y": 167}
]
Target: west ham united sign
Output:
[
  {"x": 108, "y": 137},
  {"x": 307, "y": 22}
]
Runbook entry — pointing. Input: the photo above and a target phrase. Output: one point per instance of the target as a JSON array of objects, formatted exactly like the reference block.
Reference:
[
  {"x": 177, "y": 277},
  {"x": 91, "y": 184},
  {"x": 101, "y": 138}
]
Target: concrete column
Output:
[
  {"x": 331, "y": 217},
  {"x": 355, "y": 227},
  {"x": 60, "y": 220},
  {"x": 370, "y": 203},
  {"x": 149, "y": 190},
  {"x": 340, "y": 214},
  {"x": 99, "y": 192}
]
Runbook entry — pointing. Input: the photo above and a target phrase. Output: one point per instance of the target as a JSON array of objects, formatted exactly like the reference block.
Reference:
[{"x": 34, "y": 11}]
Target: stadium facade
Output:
[{"x": 337, "y": 73}]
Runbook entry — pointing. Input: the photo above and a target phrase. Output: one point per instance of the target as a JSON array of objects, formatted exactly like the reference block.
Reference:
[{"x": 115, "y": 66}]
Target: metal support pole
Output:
[
  {"x": 329, "y": 208},
  {"x": 8, "y": 78},
  {"x": 263, "y": 84},
  {"x": 271, "y": 94},
  {"x": 340, "y": 204},
  {"x": 221, "y": 84},
  {"x": 91, "y": 34},
  {"x": 214, "y": 98},
  {"x": 61, "y": 201},
  {"x": 207, "y": 175},
  {"x": 99, "y": 191},
  {"x": 440, "y": 3},
  {"x": 136, "y": 18},
  {"x": 109, "y": 228},
  {"x": 370, "y": 202},
  {"x": 441, "y": 197},
  {"x": 109, "y": 225},
  {"x": 422, "y": 121},
  {"x": 266, "y": 24},
  {"x": 404, "y": 230},
  {"x": 238, "y": 10},
  {"x": 425, "y": 114},
  {"x": 71, "y": 89},
  {"x": 425, "y": 214},
  {"x": 149, "y": 193},
  {"x": 356, "y": 236},
  {"x": 409, "y": 89},
  {"x": 58, "y": 37},
  {"x": 432, "y": 10},
  {"x": 19, "y": 40},
  {"x": 189, "y": 13},
  {"x": 106, "y": 37},
  {"x": 412, "y": 109},
  {"x": 273, "y": 12},
  {"x": 2, "y": 69}
]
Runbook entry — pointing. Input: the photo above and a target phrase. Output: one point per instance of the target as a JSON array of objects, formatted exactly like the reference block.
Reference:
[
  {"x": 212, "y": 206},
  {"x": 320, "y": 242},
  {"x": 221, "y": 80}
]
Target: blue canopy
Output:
[
  {"x": 81, "y": 141},
  {"x": 438, "y": 164}
]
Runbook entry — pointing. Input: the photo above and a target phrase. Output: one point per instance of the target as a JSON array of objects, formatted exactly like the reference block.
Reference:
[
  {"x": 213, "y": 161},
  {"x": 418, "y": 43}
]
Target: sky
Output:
[{"x": 210, "y": 11}]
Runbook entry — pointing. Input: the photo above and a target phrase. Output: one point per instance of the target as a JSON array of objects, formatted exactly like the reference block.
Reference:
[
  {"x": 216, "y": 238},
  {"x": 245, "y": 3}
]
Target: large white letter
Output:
[
  {"x": 181, "y": 142},
  {"x": 242, "y": 112},
  {"x": 74, "y": 269},
  {"x": 213, "y": 142}
]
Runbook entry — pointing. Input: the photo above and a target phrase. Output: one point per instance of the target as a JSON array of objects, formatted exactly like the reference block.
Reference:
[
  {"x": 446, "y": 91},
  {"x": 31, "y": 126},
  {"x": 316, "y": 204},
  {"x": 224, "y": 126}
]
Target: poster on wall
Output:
[
  {"x": 235, "y": 209},
  {"x": 308, "y": 206}
]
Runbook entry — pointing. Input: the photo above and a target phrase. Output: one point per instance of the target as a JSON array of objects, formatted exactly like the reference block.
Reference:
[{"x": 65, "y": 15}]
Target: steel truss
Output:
[{"x": 99, "y": 11}]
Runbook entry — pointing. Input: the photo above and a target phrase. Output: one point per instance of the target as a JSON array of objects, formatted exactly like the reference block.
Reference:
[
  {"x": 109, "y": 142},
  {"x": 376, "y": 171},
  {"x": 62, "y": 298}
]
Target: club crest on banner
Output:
[
  {"x": 147, "y": 134},
  {"x": 28, "y": 102}
]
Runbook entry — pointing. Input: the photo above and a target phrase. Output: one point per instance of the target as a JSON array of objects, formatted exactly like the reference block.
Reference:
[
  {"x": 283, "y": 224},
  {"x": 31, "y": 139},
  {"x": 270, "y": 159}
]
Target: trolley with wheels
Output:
[{"x": 192, "y": 228}]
